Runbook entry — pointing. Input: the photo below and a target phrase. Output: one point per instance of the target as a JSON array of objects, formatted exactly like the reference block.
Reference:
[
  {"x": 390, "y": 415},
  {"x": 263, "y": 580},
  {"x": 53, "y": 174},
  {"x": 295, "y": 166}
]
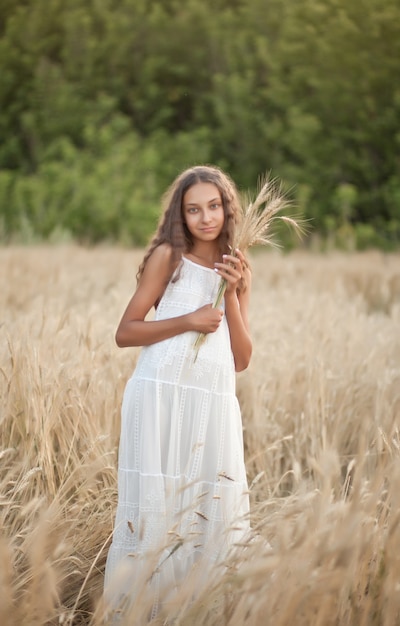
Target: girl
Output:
[{"x": 181, "y": 477}]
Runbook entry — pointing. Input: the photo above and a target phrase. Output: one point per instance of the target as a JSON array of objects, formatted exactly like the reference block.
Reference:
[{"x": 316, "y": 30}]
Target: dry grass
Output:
[{"x": 321, "y": 408}]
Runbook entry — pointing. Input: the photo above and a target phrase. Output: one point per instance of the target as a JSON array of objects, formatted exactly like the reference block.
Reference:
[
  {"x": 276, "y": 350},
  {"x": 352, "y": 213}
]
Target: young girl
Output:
[{"x": 181, "y": 477}]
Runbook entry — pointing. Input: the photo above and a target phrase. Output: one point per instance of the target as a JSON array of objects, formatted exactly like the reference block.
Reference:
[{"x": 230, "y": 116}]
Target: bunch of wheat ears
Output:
[{"x": 254, "y": 227}]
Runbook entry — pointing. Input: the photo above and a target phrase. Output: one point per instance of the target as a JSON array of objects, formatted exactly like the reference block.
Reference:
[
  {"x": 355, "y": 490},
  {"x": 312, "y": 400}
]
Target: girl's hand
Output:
[
  {"x": 206, "y": 319},
  {"x": 231, "y": 269}
]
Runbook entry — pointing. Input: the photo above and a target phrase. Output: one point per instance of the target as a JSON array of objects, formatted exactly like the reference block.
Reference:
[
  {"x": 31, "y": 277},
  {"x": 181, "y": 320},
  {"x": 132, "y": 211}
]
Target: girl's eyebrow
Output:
[{"x": 208, "y": 201}]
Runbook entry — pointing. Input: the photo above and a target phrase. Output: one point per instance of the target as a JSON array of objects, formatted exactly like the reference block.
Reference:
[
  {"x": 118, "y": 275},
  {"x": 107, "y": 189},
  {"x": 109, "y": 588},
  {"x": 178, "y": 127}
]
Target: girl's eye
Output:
[
  {"x": 192, "y": 209},
  {"x": 215, "y": 205}
]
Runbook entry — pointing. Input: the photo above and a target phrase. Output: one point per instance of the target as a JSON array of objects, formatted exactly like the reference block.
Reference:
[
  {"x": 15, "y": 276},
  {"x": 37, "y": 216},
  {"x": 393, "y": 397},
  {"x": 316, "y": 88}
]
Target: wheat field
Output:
[{"x": 321, "y": 413}]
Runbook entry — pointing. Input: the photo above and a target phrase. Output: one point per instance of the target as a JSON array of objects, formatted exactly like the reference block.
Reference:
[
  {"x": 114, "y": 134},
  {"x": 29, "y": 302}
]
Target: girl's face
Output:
[{"x": 203, "y": 212}]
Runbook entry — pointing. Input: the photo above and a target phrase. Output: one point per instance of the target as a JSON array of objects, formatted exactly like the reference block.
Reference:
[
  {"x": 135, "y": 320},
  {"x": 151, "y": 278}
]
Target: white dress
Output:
[{"x": 182, "y": 488}]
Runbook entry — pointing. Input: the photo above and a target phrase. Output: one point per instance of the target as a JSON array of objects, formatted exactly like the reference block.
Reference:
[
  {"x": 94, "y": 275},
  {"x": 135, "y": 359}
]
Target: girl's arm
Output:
[
  {"x": 237, "y": 307},
  {"x": 133, "y": 330}
]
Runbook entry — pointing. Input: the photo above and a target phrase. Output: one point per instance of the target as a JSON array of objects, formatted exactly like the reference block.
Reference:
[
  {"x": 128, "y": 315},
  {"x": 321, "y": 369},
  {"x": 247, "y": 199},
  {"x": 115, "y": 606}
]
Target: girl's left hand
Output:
[{"x": 232, "y": 270}]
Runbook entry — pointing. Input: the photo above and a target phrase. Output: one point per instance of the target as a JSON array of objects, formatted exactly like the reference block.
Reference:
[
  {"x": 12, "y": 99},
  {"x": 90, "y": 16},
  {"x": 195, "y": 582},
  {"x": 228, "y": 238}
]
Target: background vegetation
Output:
[
  {"x": 320, "y": 405},
  {"x": 102, "y": 102}
]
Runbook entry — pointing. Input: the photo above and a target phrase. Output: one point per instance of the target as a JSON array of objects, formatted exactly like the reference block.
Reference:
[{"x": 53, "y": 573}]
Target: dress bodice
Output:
[{"x": 174, "y": 359}]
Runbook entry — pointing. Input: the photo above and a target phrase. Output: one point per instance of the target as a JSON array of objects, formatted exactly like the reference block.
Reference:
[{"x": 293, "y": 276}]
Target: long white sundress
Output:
[{"x": 182, "y": 488}]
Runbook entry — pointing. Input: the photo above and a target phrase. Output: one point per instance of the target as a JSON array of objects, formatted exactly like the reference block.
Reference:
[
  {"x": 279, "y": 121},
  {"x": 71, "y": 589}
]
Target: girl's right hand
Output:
[{"x": 206, "y": 319}]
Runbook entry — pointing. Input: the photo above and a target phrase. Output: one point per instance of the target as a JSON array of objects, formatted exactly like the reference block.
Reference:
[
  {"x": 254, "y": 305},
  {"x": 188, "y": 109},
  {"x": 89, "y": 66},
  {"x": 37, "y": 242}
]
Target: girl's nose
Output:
[{"x": 206, "y": 216}]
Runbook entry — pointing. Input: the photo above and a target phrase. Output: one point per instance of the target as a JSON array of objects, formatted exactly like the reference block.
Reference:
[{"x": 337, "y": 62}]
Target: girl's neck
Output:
[{"x": 206, "y": 255}]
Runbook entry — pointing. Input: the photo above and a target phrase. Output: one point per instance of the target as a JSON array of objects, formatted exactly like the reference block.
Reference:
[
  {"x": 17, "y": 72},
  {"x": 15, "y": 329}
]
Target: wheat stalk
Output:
[{"x": 254, "y": 226}]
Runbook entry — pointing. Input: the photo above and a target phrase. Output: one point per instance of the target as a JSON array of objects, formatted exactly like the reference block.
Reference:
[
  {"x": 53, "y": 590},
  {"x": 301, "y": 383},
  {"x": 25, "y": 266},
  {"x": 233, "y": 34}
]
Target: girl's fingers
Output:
[
  {"x": 236, "y": 260},
  {"x": 231, "y": 267},
  {"x": 231, "y": 273},
  {"x": 239, "y": 255}
]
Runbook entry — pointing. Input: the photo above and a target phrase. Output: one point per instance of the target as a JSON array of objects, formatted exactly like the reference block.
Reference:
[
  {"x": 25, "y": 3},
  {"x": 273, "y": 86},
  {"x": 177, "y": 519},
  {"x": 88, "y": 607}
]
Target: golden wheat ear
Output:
[{"x": 257, "y": 215}]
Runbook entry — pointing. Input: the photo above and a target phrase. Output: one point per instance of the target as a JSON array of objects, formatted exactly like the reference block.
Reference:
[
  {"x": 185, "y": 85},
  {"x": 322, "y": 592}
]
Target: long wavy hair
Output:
[{"x": 172, "y": 228}]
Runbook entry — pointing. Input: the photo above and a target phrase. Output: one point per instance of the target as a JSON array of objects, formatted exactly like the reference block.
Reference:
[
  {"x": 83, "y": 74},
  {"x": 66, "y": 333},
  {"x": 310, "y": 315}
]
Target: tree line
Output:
[{"x": 103, "y": 102}]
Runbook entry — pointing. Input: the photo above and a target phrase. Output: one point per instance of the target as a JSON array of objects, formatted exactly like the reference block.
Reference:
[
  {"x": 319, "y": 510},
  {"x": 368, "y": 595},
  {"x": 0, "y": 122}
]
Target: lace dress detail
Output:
[{"x": 182, "y": 488}]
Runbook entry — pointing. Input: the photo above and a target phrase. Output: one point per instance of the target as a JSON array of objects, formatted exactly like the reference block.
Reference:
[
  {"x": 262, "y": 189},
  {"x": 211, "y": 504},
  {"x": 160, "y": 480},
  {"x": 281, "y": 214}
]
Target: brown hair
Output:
[{"x": 171, "y": 227}]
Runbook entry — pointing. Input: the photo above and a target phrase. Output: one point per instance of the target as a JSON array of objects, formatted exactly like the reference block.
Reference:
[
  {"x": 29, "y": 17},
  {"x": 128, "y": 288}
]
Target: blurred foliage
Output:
[{"x": 103, "y": 102}]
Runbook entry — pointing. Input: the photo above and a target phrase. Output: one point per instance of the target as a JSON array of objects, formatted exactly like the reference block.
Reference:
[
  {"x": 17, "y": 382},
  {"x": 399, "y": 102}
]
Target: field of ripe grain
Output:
[{"x": 321, "y": 414}]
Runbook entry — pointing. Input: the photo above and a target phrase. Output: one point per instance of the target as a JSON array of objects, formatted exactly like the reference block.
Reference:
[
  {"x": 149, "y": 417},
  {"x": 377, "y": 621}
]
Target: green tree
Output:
[{"x": 305, "y": 88}]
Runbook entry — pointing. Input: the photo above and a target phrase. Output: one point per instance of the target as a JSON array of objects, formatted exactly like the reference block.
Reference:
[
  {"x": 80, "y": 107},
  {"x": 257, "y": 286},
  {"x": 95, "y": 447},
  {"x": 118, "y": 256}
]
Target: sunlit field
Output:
[{"x": 321, "y": 415}]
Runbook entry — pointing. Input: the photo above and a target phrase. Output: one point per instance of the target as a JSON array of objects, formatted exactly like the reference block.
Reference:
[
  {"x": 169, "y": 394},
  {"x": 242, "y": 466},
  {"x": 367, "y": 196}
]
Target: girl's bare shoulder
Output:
[
  {"x": 162, "y": 254},
  {"x": 160, "y": 264}
]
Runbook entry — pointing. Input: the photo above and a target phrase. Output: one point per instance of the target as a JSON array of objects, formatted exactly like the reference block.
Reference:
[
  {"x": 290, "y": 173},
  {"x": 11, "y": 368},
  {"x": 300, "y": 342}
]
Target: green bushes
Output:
[
  {"x": 110, "y": 190},
  {"x": 102, "y": 103}
]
